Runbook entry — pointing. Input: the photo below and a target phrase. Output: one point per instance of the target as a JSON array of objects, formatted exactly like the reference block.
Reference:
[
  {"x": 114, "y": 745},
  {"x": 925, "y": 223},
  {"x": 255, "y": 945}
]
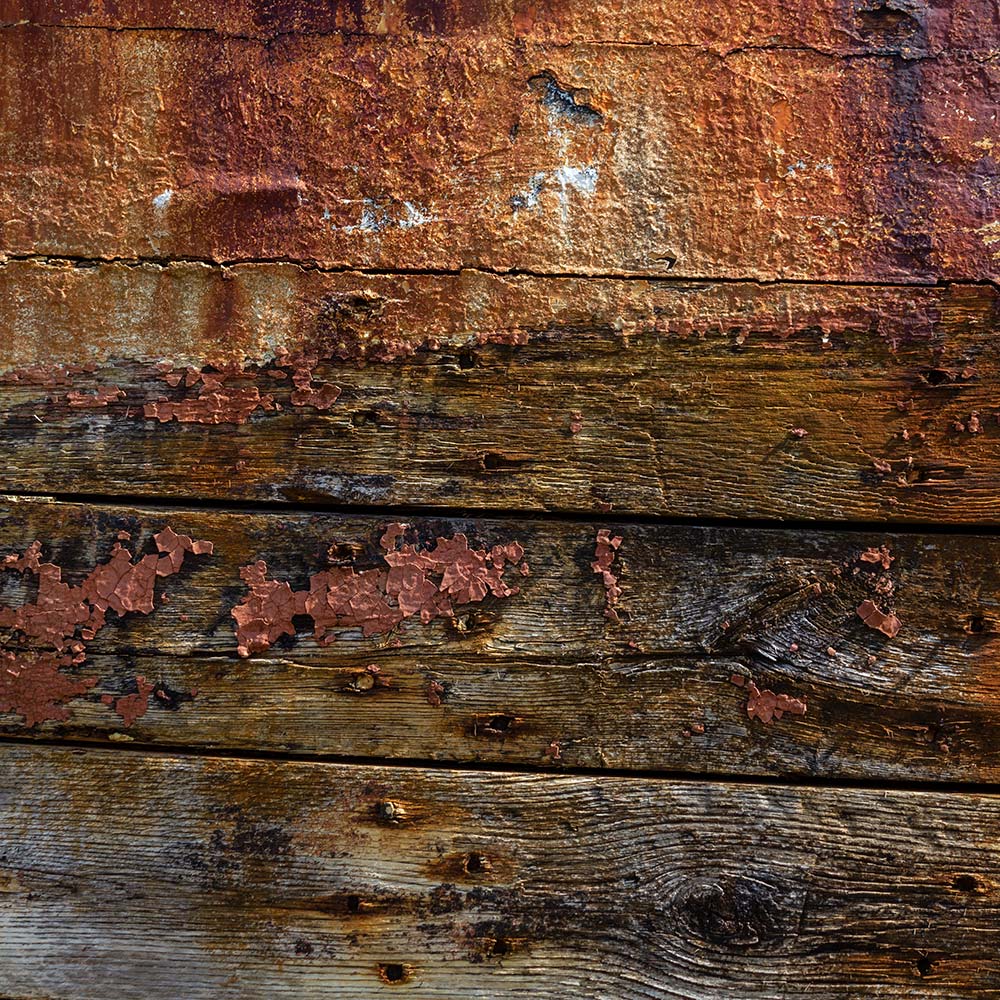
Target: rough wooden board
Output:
[
  {"x": 688, "y": 394},
  {"x": 544, "y": 677},
  {"x": 162, "y": 877},
  {"x": 911, "y": 29},
  {"x": 579, "y": 158}
]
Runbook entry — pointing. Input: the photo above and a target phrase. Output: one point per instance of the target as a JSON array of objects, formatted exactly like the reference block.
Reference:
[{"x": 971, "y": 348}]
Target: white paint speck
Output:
[{"x": 161, "y": 201}]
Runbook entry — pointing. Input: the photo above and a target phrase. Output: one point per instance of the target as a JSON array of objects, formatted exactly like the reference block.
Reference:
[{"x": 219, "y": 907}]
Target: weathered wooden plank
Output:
[
  {"x": 579, "y": 158},
  {"x": 544, "y": 676},
  {"x": 504, "y": 392},
  {"x": 162, "y": 876},
  {"x": 867, "y": 25}
]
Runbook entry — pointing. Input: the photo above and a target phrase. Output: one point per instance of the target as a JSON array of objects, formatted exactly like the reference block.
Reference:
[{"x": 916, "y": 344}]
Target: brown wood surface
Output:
[
  {"x": 581, "y": 157},
  {"x": 463, "y": 390},
  {"x": 504, "y": 332},
  {"x": 544, "y": 678},
  {"x": 158, "y": 876}
]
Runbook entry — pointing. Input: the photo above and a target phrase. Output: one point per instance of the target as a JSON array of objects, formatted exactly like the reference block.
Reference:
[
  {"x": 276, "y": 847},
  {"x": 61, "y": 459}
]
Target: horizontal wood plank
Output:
[
  {"x": 864, "y": 26},
  {"x": 157, "y": 877},
  {"x": 577, "y": 395},
  {"x": 572, "y": 158},
  {"x": 563, "y": 673}
]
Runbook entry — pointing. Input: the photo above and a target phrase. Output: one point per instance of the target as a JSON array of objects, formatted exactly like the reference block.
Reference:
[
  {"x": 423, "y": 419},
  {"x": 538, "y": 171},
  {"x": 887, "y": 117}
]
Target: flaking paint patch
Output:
[
  {"x": 49, "y": 635},
  {"x": 429, "y": 582},
  {"x": 605, "y": 551},
  {"x": 766, "y": 705}
]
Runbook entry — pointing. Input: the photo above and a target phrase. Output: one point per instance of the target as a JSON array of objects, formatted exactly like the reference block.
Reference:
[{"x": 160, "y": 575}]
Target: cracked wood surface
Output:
[
  {"x": 545, "y": 677},
  {"x": 568, "y": 394},
  {"x": 551, "y": 156},
  {"x": 158, "y": 876}
]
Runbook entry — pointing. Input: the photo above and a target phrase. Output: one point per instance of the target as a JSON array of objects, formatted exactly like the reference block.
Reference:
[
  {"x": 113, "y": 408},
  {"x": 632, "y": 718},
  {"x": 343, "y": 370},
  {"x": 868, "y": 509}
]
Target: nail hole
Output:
[
  {"x": 392, "y": 972},
  {"x": 924, "y": 966},
  {"x": 501, "y": 723},
  {"x": 466, "y": 360},
  {"x": 389, "y": 812},
  {"x": 977, "y": 623},
  {"x": 476, "y": 864},
  {"x": 353, "y": 904},
  {"x": 303, "y": 947},
  {"x": 965, "y": 883},
  {"x": 500, "y": 947},
  {"x": 936, "y": 376}
]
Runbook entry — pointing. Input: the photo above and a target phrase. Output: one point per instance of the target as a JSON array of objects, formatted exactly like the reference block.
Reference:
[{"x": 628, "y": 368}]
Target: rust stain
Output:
[
  {"x": 419, "y": 581},
  {"x": 50, "y": 633}
]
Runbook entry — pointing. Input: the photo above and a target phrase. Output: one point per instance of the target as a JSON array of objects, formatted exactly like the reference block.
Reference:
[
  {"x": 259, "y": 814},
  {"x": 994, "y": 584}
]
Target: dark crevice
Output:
[
  {"x": 267, "y": 39},
  {"x": 571, "y": 774},
  {"x": 570, "y": 516},
  {"x": 668, "y": 275}
]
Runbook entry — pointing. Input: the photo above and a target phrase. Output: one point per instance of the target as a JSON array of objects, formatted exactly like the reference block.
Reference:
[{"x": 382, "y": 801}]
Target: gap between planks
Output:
[
  {"x": 667, "y": 275},
  {"x": 552, "y": 514},
  {"x": 655, "y": 776}
]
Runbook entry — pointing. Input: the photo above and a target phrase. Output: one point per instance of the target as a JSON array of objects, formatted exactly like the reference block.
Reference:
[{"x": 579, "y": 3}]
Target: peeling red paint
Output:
[
  {"x": 435, "y": 694},
  {"x": 44, "y": 631},
  {"x": 424, "y": 582},
  {"x": 766, "y": 705},
  {"x": 132, "y": 706},
  {"x": 604, "y": 556},
  {"x": 879, "y": 620},
  {"x": 882, "y": 555},
  {"x": 96, "y": 400},
  {"x": 215, "y": 403},
  {"x": 34, "y": 686},
  {"x": 576, "y": 422}
]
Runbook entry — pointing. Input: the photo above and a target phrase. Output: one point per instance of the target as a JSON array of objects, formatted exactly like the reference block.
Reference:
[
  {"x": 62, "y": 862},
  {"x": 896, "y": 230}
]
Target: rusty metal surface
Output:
[{"x": 580, "y": 156}]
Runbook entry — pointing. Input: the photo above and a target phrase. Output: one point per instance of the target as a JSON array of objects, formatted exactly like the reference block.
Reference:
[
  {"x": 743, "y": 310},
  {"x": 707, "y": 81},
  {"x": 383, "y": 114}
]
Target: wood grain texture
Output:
[
  {"x": 544, "y": 678},
  {"x": 580, "y": 157},
  {"x": 863, "y": 26},
  {"x": 463, "y": 390},
  {"x": 159, "y": 876}
]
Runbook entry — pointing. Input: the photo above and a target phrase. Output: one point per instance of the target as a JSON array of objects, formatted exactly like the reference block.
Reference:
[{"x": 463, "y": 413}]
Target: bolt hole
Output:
[
  {"x": 392, "y": 972},
  {"x": 353, "y": 904},
  {"x": 466, "y": 360},
  {"x": 501, "y": 947},
  {"x": 924, "y": 966},
  {"x": 476, "y": 864},
  {"x": 977, "y": 623},
  {"x": 492, "y": 461},
  {"x": 965, "y": 883},
  {"x": 501, "y": 723}
]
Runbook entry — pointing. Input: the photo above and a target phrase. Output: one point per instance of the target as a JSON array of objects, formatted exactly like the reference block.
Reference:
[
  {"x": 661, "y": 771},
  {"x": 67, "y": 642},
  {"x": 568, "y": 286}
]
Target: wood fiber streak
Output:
[
  {"x": 544, "y": 677},
  {"x": 162, "y": 877},
  {"x": 462, "y": 390},
  {"x": 577, "y": 157}
]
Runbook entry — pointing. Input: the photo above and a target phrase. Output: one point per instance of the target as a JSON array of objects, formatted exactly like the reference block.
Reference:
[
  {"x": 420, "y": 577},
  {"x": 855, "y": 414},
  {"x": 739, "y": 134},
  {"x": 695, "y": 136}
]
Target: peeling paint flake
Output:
[
  {"x": 881, "y": 621},
  {"x": 605, "y": 551},
  {"x": 419, "y": 581},
  {"x": 766, "y": 705},
  {"x": 49, "y": 635}
]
